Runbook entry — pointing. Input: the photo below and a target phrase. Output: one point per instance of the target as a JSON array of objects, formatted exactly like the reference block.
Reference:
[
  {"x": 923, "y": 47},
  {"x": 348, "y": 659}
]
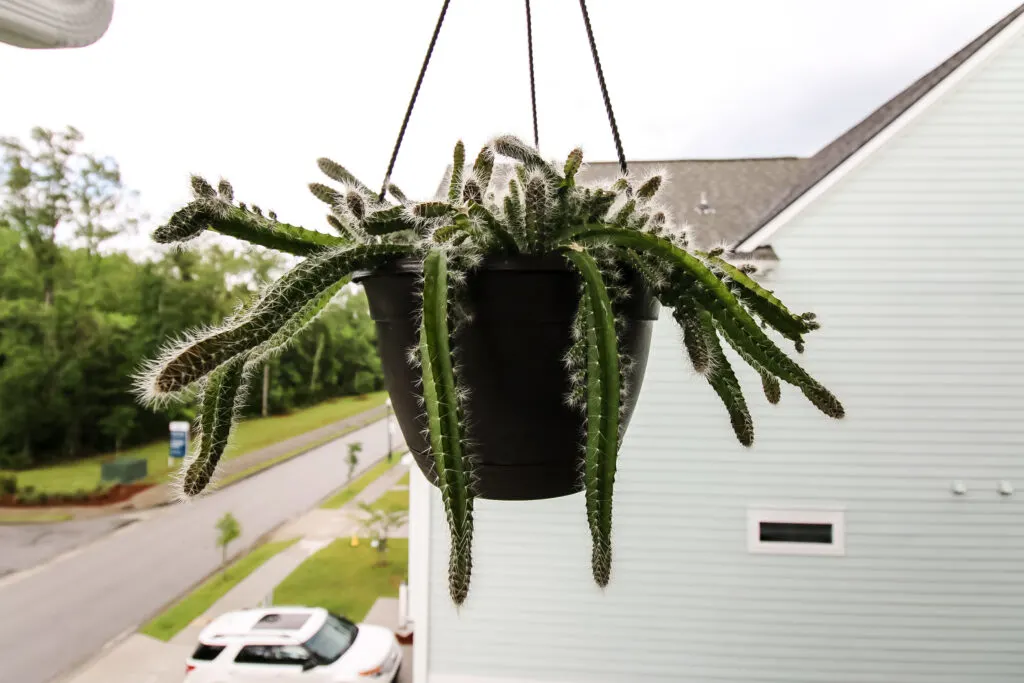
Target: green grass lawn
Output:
[
  {"x": 393, "y": 500},
  {"x": 359, "y": 483},
  {"x": 30, "y": 516},
  {"x": 344, "y": 579},
  {"x": 184, "y": 612},
  {"x": 404, "y": 481},
  {"x": 249, "y": 436}
]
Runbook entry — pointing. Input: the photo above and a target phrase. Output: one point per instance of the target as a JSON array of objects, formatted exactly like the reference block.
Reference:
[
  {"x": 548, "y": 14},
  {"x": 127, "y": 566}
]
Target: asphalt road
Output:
[
  {"x": 55, "y": 617},
  {"x": 23, "y": 546}
]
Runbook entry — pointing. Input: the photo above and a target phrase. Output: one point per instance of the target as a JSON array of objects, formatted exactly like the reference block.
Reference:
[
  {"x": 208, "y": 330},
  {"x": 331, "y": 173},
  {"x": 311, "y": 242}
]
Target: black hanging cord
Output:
[
  {"x": 533, "y": 87},
  {"x": 604, "y": 88},
  {"x": 412, "y": 100}
]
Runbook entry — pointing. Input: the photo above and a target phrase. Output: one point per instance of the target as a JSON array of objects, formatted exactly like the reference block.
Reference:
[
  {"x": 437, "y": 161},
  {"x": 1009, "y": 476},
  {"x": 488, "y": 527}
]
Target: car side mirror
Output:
[{"x": 310, "y": 663}]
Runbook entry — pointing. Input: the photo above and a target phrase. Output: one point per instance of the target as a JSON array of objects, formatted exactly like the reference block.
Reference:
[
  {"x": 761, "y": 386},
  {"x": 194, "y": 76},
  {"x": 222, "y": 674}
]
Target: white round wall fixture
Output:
[{"x": 53, "y": 24}]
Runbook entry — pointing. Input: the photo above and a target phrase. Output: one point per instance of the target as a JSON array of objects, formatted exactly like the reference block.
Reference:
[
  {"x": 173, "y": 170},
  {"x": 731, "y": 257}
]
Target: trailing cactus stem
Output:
[
  {"x": 764, "y": 303},
  {"x": 592, "y": 458},
  {"x": 693, "y": 338},
  {"x": 222, "y": 217},
  {"x": 218, "y": 406},
  {"x": 441, "y": 404},
  {"x": 772, "y": 389},
  {"x": 723, "y": 380},
  {"x": 277, "y": 304},
  {"x": 738, "y": 325},
  {"x": 604, "y": 446}
]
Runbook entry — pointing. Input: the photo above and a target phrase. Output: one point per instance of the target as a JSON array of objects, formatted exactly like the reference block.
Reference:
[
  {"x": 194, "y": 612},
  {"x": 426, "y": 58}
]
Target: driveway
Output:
[{"x": 60, "y": 615}]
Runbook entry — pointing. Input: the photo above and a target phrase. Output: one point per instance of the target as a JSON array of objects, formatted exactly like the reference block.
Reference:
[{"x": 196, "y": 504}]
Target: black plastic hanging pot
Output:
[{"x": 526, "y": 442}]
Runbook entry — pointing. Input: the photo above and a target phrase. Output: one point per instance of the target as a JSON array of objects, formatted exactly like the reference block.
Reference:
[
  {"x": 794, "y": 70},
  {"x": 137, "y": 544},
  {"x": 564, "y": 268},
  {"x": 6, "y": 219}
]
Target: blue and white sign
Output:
[{"x": 179, "y": 439}]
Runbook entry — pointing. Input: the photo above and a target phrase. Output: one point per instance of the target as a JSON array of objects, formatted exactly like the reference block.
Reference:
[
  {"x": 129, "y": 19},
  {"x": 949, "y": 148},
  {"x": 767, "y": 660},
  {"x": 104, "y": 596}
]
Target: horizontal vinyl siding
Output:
[{"x": 914, "y": 265}]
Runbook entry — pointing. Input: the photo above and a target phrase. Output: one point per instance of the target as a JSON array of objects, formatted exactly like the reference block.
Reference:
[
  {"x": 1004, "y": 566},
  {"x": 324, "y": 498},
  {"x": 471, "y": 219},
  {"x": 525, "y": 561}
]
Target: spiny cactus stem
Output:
[
  {"x": 275, "y": 307},
  {"x": 600, "y": 308},
  {"x": 483, "y": 167},
  {"x": 218, "y": 418},
  {"x": 458, "y": 166},
  {"x": 220, "y": 216},
  {"x": 723, "y": 380},
  {"x": 441, "y": 404},
  {"x": 566, "y": 234},
  {"x": 763, "y": 302},
  {"x": 290, "y": 239},
  {"x": 674, "y": 256},
  {"x": 503, "y": 237}
]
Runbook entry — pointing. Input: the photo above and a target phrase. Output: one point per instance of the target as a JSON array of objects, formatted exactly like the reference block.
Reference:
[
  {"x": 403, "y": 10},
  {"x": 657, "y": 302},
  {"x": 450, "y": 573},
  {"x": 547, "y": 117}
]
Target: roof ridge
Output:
[
  {"x": 699, "y": 160},
  {"x": 832, "y": 155}
]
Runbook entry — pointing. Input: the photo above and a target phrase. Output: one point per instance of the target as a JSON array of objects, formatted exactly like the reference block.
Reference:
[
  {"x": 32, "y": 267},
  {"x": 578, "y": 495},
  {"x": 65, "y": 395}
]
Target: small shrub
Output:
[
  {"x": 42, "y": 498},
  {"x": 80, "y": 496},
  {"x": 8, "y": 484},
  {"x": 29, "y": 489},
  {"x": 24, "y": 497}
]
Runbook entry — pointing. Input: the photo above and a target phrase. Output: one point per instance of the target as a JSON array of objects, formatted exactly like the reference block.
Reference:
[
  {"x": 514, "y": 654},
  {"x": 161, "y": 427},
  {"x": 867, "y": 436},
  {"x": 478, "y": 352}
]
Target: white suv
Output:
[{"x": 292, "y": 643}]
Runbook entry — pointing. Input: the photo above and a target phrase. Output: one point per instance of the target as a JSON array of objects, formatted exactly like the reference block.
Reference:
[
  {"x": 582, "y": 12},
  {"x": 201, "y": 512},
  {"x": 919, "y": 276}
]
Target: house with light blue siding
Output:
[{"x": 884, "y": 548}]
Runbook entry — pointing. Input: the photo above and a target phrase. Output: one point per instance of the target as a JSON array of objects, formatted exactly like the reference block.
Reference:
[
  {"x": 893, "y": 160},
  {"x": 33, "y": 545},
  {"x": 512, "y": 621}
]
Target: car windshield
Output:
[{"x": 332, "y": 640}]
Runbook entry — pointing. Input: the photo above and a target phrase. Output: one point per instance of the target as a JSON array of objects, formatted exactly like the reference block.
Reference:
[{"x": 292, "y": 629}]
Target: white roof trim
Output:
[
  {"x": 761, "y": 237},
  {"x": 421, "y": 494}
]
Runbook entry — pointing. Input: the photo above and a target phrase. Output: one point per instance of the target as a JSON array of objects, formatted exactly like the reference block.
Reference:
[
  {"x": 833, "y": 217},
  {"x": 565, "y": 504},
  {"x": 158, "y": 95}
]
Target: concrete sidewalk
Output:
[
  {"x": 142, "y": 659},
  {"x": 320, "y": 523}
]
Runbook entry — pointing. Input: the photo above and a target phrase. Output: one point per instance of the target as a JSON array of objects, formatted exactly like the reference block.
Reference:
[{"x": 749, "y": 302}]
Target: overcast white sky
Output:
[{"x": 256, "y": 90}]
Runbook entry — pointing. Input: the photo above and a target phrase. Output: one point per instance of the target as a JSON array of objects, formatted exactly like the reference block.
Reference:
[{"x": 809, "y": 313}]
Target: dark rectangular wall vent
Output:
[{"x": 795, "y": 532}]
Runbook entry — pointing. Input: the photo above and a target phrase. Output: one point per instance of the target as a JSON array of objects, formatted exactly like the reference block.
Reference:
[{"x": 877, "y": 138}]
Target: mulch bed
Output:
[{"x": 115, "y": 494}]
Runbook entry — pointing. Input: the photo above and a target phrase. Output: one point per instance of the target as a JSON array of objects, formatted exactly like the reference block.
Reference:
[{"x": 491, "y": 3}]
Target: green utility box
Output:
[{"x": 124, "y": 470}]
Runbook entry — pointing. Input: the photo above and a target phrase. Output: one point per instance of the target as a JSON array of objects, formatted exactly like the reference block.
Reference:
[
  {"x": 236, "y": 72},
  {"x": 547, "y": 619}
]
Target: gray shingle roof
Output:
[
  {"x": 737, "y": 190},
  {"x": 835, "y": 153}
]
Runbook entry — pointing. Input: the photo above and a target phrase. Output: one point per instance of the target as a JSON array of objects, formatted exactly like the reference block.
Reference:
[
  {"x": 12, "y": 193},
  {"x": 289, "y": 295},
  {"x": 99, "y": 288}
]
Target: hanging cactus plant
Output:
[{"x": 602, "y": 232}]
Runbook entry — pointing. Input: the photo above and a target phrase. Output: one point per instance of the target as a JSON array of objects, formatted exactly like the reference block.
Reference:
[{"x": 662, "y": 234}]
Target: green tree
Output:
[
  {"x": 78, "y": 318},
  {"x": 118, "y": 424},
  {"x": 51, "y": 187},
  {"x": 352, "y": 459},
  {"x": 228, "y": 529},
  {"x": 379, "y": 523}
]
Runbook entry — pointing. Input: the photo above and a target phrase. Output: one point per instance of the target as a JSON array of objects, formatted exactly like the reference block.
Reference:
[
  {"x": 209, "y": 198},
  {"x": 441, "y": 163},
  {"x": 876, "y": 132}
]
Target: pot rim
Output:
[{"x": 523, "y": 263}]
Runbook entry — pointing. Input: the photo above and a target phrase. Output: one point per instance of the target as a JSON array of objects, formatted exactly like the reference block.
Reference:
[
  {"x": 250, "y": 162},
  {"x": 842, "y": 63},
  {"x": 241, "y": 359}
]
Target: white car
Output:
[{"x": 292, "y": 644}]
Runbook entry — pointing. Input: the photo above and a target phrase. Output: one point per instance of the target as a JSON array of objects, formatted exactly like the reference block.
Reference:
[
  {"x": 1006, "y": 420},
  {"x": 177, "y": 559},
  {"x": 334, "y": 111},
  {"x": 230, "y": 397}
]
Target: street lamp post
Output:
[{"x": 387, "y": 423}]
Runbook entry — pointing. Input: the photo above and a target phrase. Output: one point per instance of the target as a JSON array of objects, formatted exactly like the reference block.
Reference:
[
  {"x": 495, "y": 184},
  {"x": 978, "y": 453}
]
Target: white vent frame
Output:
[{"x": 791, "y": 515}]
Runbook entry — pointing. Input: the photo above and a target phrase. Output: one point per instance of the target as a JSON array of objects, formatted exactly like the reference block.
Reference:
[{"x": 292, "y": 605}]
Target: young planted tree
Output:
[
  {"x": 378, "y": 524},
  {"x": 352, "y": 458},
  {"x": 228, "y": 529},
  {"x": 607, "y": 234}
]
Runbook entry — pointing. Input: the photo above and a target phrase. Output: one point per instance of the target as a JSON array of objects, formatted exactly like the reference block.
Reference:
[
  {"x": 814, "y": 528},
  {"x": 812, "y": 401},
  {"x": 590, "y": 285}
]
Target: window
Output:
[
  {"x": 333, "y": 639},
  {"x": 207, "y": 653},
  {"x": 282, "y": 622},
  {"x": 287, "y": 655},
  {"x": 796, "y": 532}
]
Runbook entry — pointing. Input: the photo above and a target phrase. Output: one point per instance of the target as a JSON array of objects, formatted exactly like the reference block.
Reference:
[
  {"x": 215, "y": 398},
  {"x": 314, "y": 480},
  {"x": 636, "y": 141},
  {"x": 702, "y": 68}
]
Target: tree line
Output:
[{"x": 78, "y": 316}]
